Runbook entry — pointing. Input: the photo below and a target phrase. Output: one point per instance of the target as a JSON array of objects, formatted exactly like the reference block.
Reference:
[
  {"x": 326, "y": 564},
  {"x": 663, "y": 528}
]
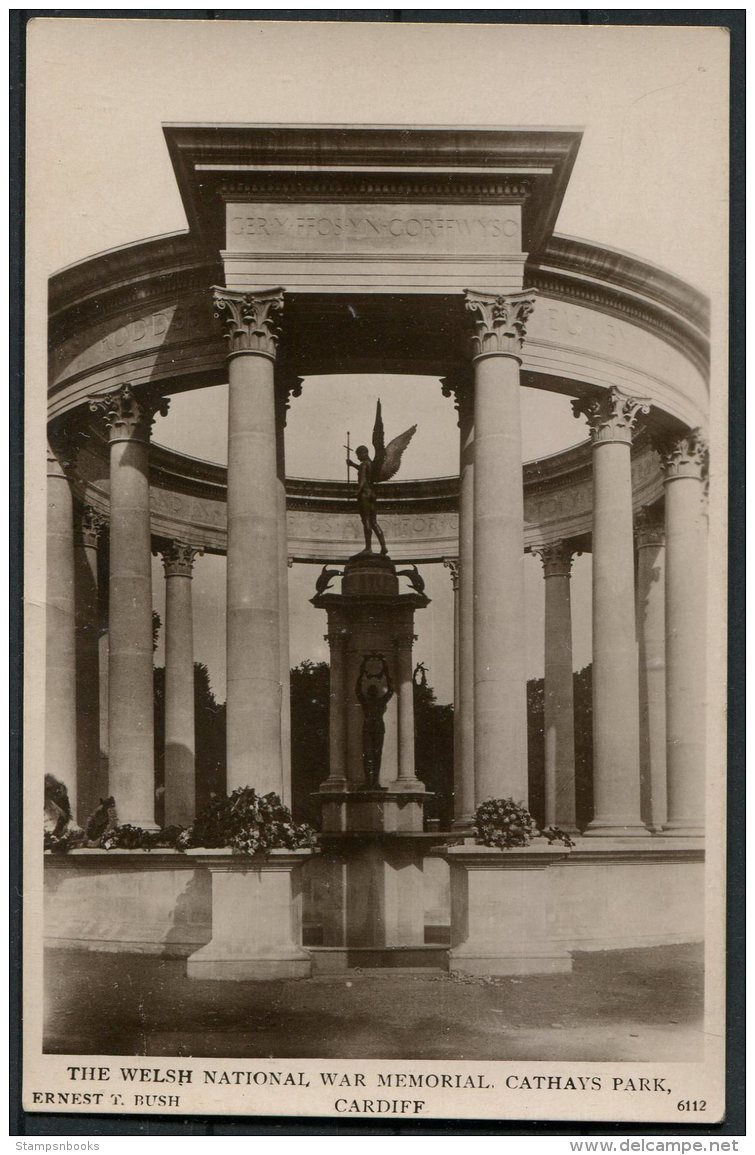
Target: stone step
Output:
[{"x": 410, "y": 959}]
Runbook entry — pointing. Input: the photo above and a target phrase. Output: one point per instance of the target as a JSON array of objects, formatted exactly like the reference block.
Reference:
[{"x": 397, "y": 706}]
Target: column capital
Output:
[
  {"x": 178, "y": 558},
  {"x": 251, "y": 320},
  {"x": 683, "y": 456},
  {"x": 610, "y": 416},
  {"x": 337, "y": 637},
  {"x": 649, "y": 528},
  {"x": 128, "y": 412},
  {"x": 454, "y": 565},
  {"x": 500, "y": 324},
  {"x": 556, "y": 557},
  {"x": 285, "y": 389},
  {"x": 460, "y": 387},
  {"x": 63, "y": 445},
  {"x": 88, "y": 525}
]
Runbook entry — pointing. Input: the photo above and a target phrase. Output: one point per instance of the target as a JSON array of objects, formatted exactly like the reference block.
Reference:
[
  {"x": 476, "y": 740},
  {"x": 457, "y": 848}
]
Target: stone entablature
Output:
[
  {"x": 323, "y": 212},
  {"x": 421, "y": 519}
]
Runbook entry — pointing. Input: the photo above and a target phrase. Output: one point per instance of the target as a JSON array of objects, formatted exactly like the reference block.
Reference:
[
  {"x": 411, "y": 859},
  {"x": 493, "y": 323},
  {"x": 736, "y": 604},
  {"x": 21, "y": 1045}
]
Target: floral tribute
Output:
[
  {"x": 247, "y": 822},
  {"x": 504, "y": 823}
]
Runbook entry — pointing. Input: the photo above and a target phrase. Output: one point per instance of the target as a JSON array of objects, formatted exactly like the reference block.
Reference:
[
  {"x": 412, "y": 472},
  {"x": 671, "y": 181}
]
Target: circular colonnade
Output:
[{"x": 626, "y": 341}]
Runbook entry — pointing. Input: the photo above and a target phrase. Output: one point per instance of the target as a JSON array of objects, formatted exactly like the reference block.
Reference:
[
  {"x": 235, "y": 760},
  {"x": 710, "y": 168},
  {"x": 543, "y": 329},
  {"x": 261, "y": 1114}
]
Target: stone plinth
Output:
[
  {"x": 155, "y": 902},
  {"x": 373, "y": 811},
  {"x": 499, "y": 908},
  {"x": 256, "y": 917}
]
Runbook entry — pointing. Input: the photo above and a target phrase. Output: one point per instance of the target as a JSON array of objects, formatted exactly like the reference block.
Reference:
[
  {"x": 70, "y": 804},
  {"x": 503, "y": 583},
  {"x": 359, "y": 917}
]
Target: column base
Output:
[
  {"x": 333, "y": 785},
  {"x": 464, "y": 824},
  {"x": 407, "y": 786},
  {"x": 616, "y": 828},
  {"x": 682, "y": 830}
]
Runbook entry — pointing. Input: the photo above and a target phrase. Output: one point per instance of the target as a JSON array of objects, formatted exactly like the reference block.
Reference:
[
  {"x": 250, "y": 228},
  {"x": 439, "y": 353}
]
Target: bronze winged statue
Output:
[{"x": 371, "y": 471}]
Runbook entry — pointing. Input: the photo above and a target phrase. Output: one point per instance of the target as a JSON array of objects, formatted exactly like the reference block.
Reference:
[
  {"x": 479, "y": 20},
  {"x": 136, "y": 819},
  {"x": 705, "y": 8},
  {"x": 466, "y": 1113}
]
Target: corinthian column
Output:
[
  {"x": 128, "y": 414},
  {"x": 615, "y": 693},
  {"x": 560, "y": 794},
  {"x": 60, "y": 675},
  {"x": 500, "y": 684},
  {"x": 462, "y": 575},
  {"x": 254, "y": 702},
  {"x": 180, "y": 743},
  {"x": 685, "y": 462},
  {"x": 337, "y": 772},
  {"x": 92, "y": 780},
  {"x": 284, "y": 394},
  {"x": 651, "y": 638},
  {"x": 407, "y": 779}
]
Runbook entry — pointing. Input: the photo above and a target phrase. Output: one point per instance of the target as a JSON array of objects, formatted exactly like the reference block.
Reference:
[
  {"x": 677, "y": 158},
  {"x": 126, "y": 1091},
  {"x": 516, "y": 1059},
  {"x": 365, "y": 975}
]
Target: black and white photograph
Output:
[{"x": 376, "y": 553}]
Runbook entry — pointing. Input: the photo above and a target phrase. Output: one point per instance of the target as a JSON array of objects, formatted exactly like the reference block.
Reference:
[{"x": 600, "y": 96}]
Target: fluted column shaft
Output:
[
  {"x": 253, "y": 655},
  {"x": 463, "y": 782},
  {"x": 407, "y": 779},
  {"x": 92, "y": 778},
  {"x": 464, "y": 801},
  {"x": 616, "y": 733},
  {"x": 180, "y": 740},
  {"x": 338, "y": 735},
  {"x": 685, "y": 462},
  {"x": 500, "y": 687},
  {"x": 128, "y": 416},
  {"x": 60, "y": 677},
  {"x": 651, "y": 640},
  {"x": 283, "y": 567},
  {"x": 560, "y": 793}
]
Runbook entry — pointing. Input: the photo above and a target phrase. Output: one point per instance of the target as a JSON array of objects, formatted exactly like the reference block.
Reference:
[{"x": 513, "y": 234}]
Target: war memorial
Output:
[{"x": 378, "y": 250}]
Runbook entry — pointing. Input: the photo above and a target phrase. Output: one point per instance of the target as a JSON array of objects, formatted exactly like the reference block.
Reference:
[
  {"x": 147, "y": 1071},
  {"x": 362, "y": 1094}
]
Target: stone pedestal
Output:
[
  {"x": 375, "y": 892},
  {"x": 373, "y": 811},
  {"x": 372, "y": 806},
  {"x": 256, "y": 917},
  {"x": 370, "y": 632},
  {"x": 499, "y": 908}
]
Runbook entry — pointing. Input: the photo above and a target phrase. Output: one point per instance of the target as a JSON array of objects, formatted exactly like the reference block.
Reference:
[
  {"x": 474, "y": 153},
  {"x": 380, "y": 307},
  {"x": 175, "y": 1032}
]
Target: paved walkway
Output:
[{"x": 616, "y": 1005}]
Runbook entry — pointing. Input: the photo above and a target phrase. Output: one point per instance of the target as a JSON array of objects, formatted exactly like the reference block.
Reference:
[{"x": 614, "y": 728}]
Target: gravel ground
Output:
[{"x": 616, "y": 1005}]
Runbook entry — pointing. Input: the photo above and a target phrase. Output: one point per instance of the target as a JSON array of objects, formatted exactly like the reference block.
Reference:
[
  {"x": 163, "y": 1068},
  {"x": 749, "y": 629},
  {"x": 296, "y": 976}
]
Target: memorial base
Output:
[
  {"x": 373, "y": 811},
  {"x": 374, "y": 891},
  {"x": 256, "y": 918}
]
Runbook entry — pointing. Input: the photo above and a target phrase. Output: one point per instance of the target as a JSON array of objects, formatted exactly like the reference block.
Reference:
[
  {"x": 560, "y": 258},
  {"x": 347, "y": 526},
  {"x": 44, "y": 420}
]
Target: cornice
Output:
[
  {"x": 628, "y": 273},
  {"x": 207, "y": 157},
  {"x": 674, "y": 330},
  {"x": 444, "y": 188}
]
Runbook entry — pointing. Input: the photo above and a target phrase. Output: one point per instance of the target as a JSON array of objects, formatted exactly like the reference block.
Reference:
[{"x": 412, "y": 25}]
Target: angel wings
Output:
[{"x": 387, "y": 457}]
